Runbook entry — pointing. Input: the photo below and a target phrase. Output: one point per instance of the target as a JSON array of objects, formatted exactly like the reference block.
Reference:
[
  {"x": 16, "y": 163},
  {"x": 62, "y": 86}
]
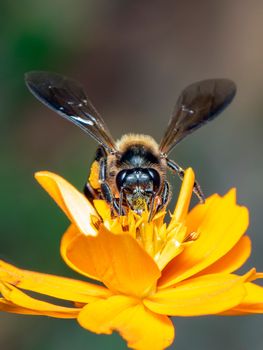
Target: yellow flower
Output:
[{"x": 148, "y": 270}]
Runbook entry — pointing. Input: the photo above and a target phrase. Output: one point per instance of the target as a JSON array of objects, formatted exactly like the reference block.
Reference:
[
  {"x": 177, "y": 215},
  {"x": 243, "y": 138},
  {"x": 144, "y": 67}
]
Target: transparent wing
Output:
[
  {"x": 68, "y": 98},
  {"x": 197, "y": 104}
]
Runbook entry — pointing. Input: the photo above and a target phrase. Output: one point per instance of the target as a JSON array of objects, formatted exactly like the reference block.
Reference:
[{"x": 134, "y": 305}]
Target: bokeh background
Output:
[{"x": 134, "y": 57}]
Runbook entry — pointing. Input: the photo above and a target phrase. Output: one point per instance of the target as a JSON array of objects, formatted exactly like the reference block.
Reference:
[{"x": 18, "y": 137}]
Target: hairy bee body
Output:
[{"x": 137, "y": 169}]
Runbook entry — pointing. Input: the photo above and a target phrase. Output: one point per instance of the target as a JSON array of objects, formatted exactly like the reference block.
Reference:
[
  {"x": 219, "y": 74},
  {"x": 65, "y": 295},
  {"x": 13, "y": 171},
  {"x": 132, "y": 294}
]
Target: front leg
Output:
[
  {"x": 180, "y": 172},
  {"x": 105, "y": 188},
  {"x": 165, "y": 196},
  {"x": 92, "y": 188}
]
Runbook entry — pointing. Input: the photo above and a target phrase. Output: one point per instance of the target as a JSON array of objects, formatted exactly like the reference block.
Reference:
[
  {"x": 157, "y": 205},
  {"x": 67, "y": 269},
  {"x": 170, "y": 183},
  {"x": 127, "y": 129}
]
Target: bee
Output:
[{"x": 132, "y": 172}]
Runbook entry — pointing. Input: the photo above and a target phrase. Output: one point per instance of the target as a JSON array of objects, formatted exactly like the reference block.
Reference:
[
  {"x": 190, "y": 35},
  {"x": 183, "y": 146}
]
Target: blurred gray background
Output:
[{"x": 134, "y": 57}]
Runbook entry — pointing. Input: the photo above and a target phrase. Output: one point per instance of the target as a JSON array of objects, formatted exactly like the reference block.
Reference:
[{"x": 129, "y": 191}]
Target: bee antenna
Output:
[
  {"x": 120, "y": 202},
  {"x": 151, "y": 208}
]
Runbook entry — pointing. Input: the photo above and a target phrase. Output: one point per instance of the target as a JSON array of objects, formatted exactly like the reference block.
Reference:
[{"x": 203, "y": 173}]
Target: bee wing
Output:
[
  {"x": 197, "y": 104},
  {"x": 68, "y": 98}
]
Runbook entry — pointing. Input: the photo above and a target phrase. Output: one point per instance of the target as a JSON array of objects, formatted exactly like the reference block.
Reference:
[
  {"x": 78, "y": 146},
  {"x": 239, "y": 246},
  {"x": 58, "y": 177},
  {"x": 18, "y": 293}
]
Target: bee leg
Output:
[
  {"x": 105, "y": 188},
  {"x": 164, "y": 196},
  {"x": 107, "y": 194},
  {"x": 90, "y": 193},
  {"x": 100, "y": 153},
  {"x": 121, "y": 211},
  {"x": 180, "y": 172},
  {"x": 151, "y": 208}
]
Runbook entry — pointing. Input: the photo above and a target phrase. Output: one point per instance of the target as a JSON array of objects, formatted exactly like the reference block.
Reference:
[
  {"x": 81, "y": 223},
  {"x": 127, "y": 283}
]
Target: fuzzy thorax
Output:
[{"x": 129, "y": 140}]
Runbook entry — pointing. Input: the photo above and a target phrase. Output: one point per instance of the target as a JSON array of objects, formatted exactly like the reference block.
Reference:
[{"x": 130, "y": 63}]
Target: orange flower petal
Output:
[
  {"x": 7, "y": 306},
  {"x": 221, "y": 224},
  {"x": 74, "y": 204},
  {"x": 58, "y": 287},
  {"x": 71, "y": 233},
  {"x": 252, "y": 302},
  {"x": 17, "y": 297},
  {"x": 203, "y": 295},
  {"x": 141, "y": 328},
  {"x": 103, "y": 209},
  {"x": 116, "y": 260},
  {"x": 233, "y": 260}
]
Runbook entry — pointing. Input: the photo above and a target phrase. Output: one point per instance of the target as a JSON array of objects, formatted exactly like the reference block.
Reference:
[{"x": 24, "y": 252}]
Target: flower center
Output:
[{"x": 161, "y": 241}]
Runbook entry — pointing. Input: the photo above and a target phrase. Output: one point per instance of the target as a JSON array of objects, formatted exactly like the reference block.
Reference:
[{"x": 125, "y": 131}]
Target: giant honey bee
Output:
[{"x": 131, "y": 173}]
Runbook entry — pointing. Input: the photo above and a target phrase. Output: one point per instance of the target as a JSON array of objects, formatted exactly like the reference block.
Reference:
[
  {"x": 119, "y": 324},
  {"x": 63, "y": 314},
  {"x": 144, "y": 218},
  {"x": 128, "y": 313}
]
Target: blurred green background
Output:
[{"x": 134, "y": 57}]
